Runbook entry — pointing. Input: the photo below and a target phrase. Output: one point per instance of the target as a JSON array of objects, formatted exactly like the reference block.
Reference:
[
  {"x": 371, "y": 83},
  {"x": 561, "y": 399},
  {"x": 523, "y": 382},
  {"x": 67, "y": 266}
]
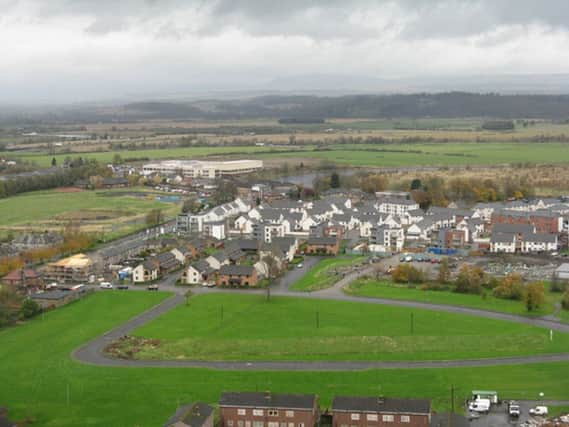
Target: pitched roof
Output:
[
  {"x": 192, "y": 415},
  {"x": 381, "y": 404},
  {"x": 502, "y": 238},
  {"x": 513, "y": 228},
  {"x": 322, "y": 240},
  {"x": 268, "y": 400},
  {"x": 236, "y": 270}
]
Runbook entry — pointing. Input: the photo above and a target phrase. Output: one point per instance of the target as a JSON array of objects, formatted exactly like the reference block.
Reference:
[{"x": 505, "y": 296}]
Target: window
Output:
[
  {"x": 273, "y": 413},
  {"x": 242, "y": 412},
  {"x": 240, "y": 423},
  {"x": 290, "y": 414},
  {"x": 258, "y": 413},
  {"x": 388, "y": 418},
  {"x": 283, "y": 424},
  {"x": 372, "y": 417},
  {"x": 355, "y": 417},
  {"x": 343, "y": 425},
  {"x": 247, "y": 423},
  {"x": 300, "y": 424},
  {"x": 273, "y": 424},
  {"x": 230, "y": 423},
  {"x": 405, "y": 419},
  {"x": 257, "y": 423}
]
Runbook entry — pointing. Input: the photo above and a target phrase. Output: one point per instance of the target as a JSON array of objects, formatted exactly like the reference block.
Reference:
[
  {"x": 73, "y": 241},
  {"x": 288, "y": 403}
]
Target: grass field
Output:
[
  {"x": 386, "y": 289},
  {"x": 323, "y": 274},
  {"x": 110, "y": 210},
  {"x": 288, "y": 329},
  {"x": 37, "y": 372}
]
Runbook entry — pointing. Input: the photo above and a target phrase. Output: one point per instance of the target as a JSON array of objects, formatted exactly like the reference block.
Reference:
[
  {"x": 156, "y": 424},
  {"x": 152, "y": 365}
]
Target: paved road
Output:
[{"x": 92, "y": 352}]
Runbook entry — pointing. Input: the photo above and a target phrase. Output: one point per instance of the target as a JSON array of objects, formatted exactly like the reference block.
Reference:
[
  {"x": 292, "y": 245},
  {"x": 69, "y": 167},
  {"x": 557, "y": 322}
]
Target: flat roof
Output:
[{"x": 75, "y": 261}]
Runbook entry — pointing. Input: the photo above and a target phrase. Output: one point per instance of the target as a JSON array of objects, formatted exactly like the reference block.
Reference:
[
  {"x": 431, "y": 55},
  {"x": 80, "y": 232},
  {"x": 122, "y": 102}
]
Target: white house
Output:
[
  {"x": 539, "y": 242},
  {"x": 503, "y": 243}
]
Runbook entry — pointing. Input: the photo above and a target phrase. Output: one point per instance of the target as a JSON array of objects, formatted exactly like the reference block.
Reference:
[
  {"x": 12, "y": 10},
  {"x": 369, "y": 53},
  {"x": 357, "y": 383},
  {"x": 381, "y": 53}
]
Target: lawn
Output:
[
  {"x": 325, "y": 273},
  {"x": 247, "y": 327},
  {"x": 37, "y": 371},
  {"x": 387, "y": 289},
  {"x": 111, "y": 208}
]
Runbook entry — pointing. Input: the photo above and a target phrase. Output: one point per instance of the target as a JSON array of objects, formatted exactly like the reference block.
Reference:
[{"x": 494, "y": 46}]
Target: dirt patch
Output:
[
  {"x": 93, "y": 215},
  {"x": 126, "y": 347},
  {"x": 68, "y": 190}
]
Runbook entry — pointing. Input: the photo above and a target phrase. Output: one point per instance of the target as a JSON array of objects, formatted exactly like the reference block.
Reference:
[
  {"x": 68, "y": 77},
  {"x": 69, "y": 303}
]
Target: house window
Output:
[
  {"x": 355, "y": 417},
  {"x": 241, "y": 412},
  {"x": 247, "y": 423},
  {"x": 258, "y": 413},
  {"x": 343, "y": 425},
  {"x": 300, "y": 424},
  {"x": 405, "y": 419},
  {"x": 289, "y": 414},
  {"x": 240, "y": 423},
  {"x": 230, "y": 423},
  {"x": 273, "y": 424},
  {"x": 388, "y": 418},
  {"x": 372, "y": 417},
  {"x": 283, "y": 424},
  {"x": 273, "y": 413},
  {"x": 257, "y": 423}
]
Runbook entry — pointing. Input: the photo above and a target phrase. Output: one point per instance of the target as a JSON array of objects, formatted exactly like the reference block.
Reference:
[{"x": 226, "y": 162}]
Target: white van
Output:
[{"x": 480, "y": 405}]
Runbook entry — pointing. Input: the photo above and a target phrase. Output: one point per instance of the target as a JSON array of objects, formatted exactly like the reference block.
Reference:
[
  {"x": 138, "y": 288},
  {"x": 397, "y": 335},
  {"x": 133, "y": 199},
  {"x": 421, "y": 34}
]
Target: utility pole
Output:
[{"x": 412, "y": 324}]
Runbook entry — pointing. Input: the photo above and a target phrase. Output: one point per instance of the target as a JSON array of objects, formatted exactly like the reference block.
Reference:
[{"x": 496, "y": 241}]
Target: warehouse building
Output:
[{"x": 202, "y": 169}]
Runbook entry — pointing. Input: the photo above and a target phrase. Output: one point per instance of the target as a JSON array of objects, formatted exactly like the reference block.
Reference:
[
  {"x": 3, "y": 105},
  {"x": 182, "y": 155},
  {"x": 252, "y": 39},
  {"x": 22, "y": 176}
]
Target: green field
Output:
[
  {"x": 387, "y": 155},
  {"x": 37, "y": 373},
  {"x": 107, "y": 209},
  {"x": 323, "y": 274},
  {"x": 285, "y": 328},
  {"x": 386, "y": 289}
]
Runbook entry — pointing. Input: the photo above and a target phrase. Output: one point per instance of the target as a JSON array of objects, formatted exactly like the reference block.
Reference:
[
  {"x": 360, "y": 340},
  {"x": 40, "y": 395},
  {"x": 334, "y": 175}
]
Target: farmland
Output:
[
  {"x": 308, "y": 329},
  {"x": 106, "y": 210},
  {"x": 42, "y": 382},
  {"x": 324, "y": 274},
  {"x": 387, "y": 289}
]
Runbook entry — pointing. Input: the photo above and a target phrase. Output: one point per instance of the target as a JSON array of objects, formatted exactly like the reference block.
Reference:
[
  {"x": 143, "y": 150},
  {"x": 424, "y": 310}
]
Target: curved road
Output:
[{"x": 92, "y": 352}]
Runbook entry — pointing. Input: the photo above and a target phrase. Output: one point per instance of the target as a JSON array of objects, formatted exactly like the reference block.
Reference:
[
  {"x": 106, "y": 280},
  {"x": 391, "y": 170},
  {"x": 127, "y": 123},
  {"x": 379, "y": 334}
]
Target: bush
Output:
[
  {"x": 405, "y": 273},
  {"x": 469, "y": 280},
  {"x": 534, "y": 296},
  {"x": 29, "y": 309},
  {"x": 510, "y": 287}
]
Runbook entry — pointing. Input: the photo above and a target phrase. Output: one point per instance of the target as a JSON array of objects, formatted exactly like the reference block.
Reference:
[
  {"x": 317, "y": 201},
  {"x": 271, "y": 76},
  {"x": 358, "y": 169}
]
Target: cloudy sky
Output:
[{"x": 73, "y": 50}]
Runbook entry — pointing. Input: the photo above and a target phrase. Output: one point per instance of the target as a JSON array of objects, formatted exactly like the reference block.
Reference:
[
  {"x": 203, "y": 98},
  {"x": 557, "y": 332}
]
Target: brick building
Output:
[
  {"x": 237, "y": 275},
  {"x": 543, "y": 221},
  {"x": 266, "y": 409},
  {"x": 350, "y": 411},
  {"x": 323, "y": 245}
]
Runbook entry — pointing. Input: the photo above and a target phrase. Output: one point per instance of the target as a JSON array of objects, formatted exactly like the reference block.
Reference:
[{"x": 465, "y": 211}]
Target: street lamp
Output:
[{"x": 541, "y": 397}]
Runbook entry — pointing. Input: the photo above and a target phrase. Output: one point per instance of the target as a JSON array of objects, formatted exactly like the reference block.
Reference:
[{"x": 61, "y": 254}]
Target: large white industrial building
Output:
[{"x": 202, "y": 169}]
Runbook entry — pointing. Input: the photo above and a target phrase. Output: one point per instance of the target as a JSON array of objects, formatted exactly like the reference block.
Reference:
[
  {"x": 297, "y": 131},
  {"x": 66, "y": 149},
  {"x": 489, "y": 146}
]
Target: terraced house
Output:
[{"x": 266, "y": 409}]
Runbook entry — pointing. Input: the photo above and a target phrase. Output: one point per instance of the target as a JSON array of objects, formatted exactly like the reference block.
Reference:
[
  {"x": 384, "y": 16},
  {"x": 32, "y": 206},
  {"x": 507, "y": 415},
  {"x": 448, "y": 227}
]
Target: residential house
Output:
[
  {"x": 266, "y": 409},
  {"x": 198, "y": 273},
  {"x": 322, "y": 246},
  {"x": 451, "y": 238},
  {"x": 179, "y": 255},
  {"x": 146, "y": 271},
  {"x": 167, "y": 262},
  {"x": 217, "y": 260},
  {"x": 544, "y": 221},
  {"x": 215, "y": 229},
  {"x": 539, "y": 242},
  {"x": 351, "y": 411},
  {"x": 237, "y": 275},
  {"x": 396, "y": 206},
  {"x": 24, "y": 279},
  {"x": 503, "y": 243},
  {"x": 386, "y": 239},
  {"x": 193, "y": 415},
  {"x": 266, "y": 231}
]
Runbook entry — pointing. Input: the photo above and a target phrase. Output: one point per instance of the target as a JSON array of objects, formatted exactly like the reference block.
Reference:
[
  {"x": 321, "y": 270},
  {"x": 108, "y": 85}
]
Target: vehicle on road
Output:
[
  {"x": 122, "y": 286},
  {"x": 106, "y": 285},
  {"x": 480, "y": 405},
  {"x": 514, "y": 410},
  {"x": 299, "y": 265},
  {"x": 152, "y": 287},
  {"x": 539, "y": 411}
]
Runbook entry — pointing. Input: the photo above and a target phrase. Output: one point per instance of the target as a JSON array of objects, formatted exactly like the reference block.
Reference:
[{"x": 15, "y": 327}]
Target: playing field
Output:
[
  {"x": 244, "y": 327},
  {"x": 108, "y": 210},
  {"x": 390, "y": 290},
  {"x": 325, "y": 273},
  {"x": 41, "y": 382}
]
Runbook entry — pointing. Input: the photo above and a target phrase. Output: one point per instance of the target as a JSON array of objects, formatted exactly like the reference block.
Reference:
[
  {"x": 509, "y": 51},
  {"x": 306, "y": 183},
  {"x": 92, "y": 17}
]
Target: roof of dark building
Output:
[
  {"x": 236, "y": 270},
  {"x": 192, "y": 415},
  {"x": 381, "y": 404},
  {"x": 243, "y": 244},
  {"x": 268, "y": 400},
  {"x": 502, "y": 237},
  {"x": 29, "y": 273},
  {"x": 322, "y": 241},
  {"x": 513, "y": 228}
]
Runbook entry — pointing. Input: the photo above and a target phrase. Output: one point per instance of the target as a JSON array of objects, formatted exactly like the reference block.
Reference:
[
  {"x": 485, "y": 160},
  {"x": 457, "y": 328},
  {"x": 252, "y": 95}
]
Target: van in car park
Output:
[
  {"x": 106, "y": 285},
  {"x": 539, "y": 411},
  {"x": 480, "y": 405}
]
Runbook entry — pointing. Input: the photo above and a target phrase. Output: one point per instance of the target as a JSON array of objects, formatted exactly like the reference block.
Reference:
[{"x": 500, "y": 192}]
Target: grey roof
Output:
[
  {"x": 513, "y": 228},
  {"x": 502, "y": 238},
  {"x": 322, "y": 240},
  {"x": 192, "y": 415},
  {"x": 203, "y": 267},
  {"x": 268, "y": 400},
  {"x": 381, "y": 404},
  {"x": 236, "y": 270},
  {"x": 243, "y": 244},
  {"x": 540, "y": 238}
]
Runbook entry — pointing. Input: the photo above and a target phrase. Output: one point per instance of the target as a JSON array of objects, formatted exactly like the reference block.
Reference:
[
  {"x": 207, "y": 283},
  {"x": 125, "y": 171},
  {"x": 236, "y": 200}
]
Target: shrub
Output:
[
  {"x": 405, "y": 273},
  {"x": 510, "y": 287},
  {"x": 534, "y": 296},
  {"x": 469, "y": 280}
]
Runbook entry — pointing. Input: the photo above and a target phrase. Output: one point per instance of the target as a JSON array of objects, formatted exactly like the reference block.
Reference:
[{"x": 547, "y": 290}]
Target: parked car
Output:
[
  {"x": 152, "y": 287},
  {"x": 514, "y": 409},
  {"x": 122, "y": 286},
  {"x": 299, "y": 265},
  {"x": 539, "y": 411},
  {"x": 106, "y": 285},
  {"x": 408, "y": 258}
]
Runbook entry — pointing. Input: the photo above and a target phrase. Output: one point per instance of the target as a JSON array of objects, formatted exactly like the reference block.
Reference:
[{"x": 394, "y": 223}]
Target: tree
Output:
[
  {"x": 334, "y": 180},
  {"x": 273, "y": 266},
  {"x": 511, "y": 287},
  {"x": 469, "y": 280},
  {"x": 444, "y": 272},
  {"x": 406, "y": 273},
  {"x": 191, "y": 205},
  {"x": 534, "y": 296},
  {"x": 30, "y": 308},
  {"x": 226, "y": 191},
  {"x": 154, "y": 217},
  {"x": 53, "y": 162},
  {"x": 117, "y": 159},
  {"x": 416, "y": 184}
]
